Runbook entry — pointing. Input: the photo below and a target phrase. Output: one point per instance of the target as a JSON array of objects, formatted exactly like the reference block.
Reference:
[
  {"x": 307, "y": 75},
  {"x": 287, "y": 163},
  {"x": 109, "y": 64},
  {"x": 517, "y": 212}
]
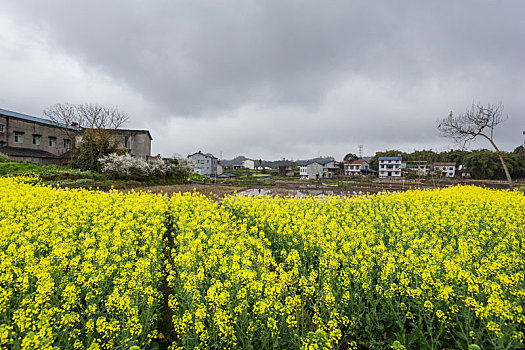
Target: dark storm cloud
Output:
[{"x": 354, "y": 72}]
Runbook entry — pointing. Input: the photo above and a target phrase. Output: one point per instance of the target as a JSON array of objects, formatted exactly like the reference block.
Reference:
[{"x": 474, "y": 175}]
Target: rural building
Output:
[
  {"x": 355, "y": 167},
  {"x": 248, "y": 164},
  {"x": 205, "y": 163},
  {"x": 390, "y": 166},
  {"x": 37, "y": 140},
  {"x": 419, "y": 167},
  {"x": 136, "y": 142},
  {"x": 315, "y": 170},
  {"x": 445, "y": 169},
  {"x": 286, "y": 170},
  {"x": 226, "y": 176},
  {"x": 31, "y": 139}
]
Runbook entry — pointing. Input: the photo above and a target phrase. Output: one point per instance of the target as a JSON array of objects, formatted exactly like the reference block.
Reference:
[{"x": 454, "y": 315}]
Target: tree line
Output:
[{"x": 480, "y": 164}]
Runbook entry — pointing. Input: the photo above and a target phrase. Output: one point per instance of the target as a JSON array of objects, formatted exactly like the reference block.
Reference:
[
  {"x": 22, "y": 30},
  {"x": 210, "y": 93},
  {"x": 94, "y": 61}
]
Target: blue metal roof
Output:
[
  {"x": 322, "y": 162},
  {"x": 390, "y": 158},
  {"x": 37, "y": 120}
]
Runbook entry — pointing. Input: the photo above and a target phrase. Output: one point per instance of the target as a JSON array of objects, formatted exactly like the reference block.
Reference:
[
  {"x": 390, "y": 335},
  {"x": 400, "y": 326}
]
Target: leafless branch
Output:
[{"x": 478, "y": 121}]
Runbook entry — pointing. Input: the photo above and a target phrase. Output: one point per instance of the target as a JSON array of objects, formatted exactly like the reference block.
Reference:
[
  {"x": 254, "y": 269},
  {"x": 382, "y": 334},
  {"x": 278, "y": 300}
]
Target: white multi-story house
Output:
[
  {"x": 445, "y": 169},
  {"x": 315, "y": 170},
  {"x": 248, "y": 164},
  {"x": 205, "y": 163},
  {"x": 390, "y": 166},
  {"x": 354, "y": 167}
]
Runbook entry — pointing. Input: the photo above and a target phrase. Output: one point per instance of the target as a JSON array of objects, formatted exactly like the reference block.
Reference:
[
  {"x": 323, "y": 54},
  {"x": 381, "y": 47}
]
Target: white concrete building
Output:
[
  {"x": 390, "y": 167},
  {"x": 445, "y": 169},
  {"x": 248, "y": 164},
  {"x": 354, "y": 167},
  {"x": 205, "y": 163}
]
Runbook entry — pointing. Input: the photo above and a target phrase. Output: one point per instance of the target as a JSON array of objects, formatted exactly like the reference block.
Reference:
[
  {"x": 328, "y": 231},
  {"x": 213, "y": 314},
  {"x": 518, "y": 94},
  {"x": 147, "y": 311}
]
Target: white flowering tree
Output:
[{"x": 125, "y": 166}]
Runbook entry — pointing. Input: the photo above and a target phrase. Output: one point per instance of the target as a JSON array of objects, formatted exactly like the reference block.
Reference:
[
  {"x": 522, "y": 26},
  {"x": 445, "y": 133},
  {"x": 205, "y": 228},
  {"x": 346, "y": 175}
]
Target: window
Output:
[
  {"x": 2, "y": 128},
  {"x": 36, "y": 140},
  {"x": 52, "y": 141},
  {"x": 19, "y": 137},
  {"x": 67, "y": 144}
]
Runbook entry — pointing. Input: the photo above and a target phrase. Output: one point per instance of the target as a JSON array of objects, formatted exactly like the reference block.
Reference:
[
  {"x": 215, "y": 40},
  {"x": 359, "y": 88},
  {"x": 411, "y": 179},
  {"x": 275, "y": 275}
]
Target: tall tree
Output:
[
  {"x": 95, "y": 127},
  {"x": 350, "y": 157},
  {"x": 478, "y": 121}
]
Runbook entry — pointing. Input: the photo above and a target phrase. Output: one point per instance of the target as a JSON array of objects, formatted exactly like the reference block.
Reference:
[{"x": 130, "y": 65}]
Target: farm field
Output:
[{"x": 427, "y": 269}]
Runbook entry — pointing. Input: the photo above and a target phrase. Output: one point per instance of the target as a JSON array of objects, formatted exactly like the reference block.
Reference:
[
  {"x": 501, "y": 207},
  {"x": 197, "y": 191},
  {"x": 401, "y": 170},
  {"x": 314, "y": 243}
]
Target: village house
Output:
[
  {"x": 390, "y": 167},
  {"x": 445, "y": 169},
  {"x": 205, "y": 163},
  {"x": 286, "y": 170},
  {"x": 355, "y": 167},
  {"x": 32, "y": 139},
  {"x": 419, "y": 167},
  {"x": 248, "y": 164},
  {"x": 316, "y": 170}
]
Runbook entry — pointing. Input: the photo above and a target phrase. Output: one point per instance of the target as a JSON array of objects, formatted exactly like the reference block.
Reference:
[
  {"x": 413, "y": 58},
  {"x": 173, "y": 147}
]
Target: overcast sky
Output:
[{"x": 270, "y": 79}]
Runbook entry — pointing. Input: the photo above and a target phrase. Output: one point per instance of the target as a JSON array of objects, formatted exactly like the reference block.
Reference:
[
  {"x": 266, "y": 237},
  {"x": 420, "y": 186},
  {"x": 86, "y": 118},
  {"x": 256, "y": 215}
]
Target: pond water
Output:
[{"x": 298, "y": 193}]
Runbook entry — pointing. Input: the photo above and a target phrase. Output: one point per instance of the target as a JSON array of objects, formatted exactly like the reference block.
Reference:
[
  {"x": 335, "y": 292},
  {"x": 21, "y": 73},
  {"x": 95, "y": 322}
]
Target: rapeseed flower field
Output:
[
  {"x": 78, "y": 269},
  {"x": 426, "y": 269}
]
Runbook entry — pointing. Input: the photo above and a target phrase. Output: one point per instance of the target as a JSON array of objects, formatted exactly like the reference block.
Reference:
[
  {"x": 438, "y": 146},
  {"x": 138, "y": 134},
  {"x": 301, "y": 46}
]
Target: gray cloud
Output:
[{"x": 310, "y": 77}]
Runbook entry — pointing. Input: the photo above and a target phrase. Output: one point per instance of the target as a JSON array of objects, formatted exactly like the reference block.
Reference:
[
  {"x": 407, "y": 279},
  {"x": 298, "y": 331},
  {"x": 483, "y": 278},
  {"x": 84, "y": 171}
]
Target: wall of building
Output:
[
  {"x": 137, "y": 142},
  {"x": 30, "y": 129},
  {"x": 3, "y": 133}
]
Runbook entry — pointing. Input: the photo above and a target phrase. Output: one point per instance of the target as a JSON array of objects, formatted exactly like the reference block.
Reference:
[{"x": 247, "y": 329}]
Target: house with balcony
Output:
[
  {"x": 355, "y": 167},
  {"x": 390, "y": 167},
  {"x": 445, "y": 169}
]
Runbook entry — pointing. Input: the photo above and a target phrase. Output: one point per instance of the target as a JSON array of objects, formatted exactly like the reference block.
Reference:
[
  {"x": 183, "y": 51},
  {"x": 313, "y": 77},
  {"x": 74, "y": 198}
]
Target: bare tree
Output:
[
  {"x": 66, "y": 116},
  {"x": 478, "y": 121},
  {"x": 95, "y": 124},
  {"x": 94, "y": 116}
]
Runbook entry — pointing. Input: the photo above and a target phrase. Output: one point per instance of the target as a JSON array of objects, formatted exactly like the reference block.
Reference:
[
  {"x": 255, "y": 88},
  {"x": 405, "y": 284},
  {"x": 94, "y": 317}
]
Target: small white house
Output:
[
  {"x": 390, "y": 167},
  {"x": 445, "y": 169},
  {"x": 354, "y": 167},
  {"x": 248, "y": 164},
  {"x": 205, "y": 163}
]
